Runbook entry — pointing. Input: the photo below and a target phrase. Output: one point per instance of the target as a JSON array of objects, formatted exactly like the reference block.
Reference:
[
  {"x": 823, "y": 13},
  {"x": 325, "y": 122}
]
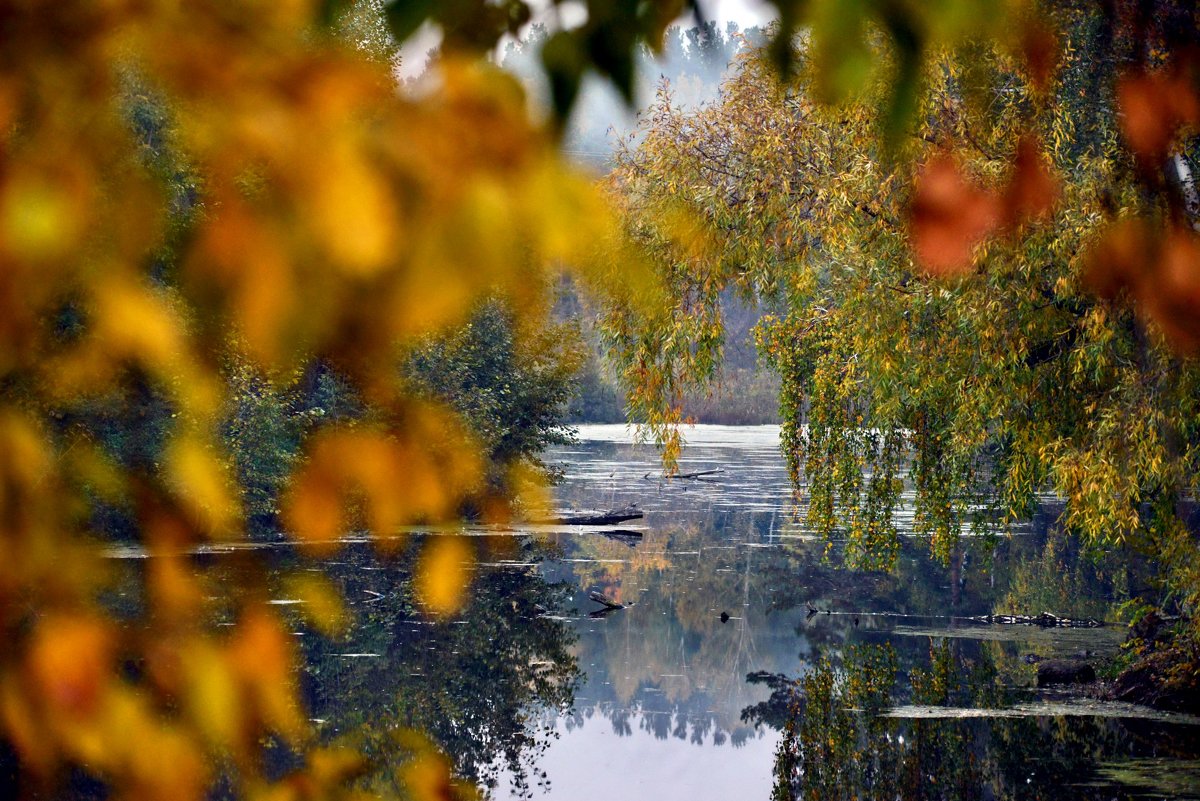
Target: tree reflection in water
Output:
[
  {"x": 838, "y": 743},
  {"x": 483, "y": 687}
]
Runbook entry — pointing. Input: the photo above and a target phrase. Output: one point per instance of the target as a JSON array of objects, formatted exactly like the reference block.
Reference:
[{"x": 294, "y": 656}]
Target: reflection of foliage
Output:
[
  {"x": 478, "y": 686},
  {"x": 669, "y": 654},
  {"x": 835, "y": 745},
  {"x": 1064, "y": 577}
]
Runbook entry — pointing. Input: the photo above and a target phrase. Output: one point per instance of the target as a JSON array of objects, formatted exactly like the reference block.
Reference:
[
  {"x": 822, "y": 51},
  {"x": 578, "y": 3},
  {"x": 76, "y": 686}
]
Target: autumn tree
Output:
[
  {"x": 511, "y": 385},
  {"x": 988, "y": 287}
]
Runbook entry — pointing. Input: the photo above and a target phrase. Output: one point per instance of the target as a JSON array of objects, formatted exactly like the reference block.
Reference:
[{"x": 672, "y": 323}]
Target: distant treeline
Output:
[{"x": 744, "y": 394}]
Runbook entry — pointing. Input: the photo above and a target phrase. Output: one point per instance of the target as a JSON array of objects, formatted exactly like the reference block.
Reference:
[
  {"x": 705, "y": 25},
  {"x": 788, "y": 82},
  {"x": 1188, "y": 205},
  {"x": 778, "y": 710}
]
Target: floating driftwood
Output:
[
  {"x": 698, "y": 475},
  {"x": 1045, "y": 619},
  {"x": 601, "y": 598},
  {"x": 609, "y": 518}
]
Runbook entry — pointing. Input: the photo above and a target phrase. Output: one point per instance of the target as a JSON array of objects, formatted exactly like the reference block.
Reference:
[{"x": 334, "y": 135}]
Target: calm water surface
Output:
[
  {"x": 716, "y": 681},
  {"x": 899, "y": 696}
]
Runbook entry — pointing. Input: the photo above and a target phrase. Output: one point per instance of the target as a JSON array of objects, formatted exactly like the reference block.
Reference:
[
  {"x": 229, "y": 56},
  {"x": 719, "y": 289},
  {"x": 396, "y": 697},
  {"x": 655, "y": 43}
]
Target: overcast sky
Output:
[{"x": 745, "y": 13}]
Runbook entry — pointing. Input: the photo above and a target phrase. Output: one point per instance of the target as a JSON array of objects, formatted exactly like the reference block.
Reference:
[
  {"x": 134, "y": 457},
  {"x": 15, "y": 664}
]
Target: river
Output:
[
  {"x": 944, "y": 707},
  {"x": 745, "y": 661}
]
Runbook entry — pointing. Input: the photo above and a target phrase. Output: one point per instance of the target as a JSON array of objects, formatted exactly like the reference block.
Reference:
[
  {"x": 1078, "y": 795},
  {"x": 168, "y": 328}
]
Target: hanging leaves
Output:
[{"x": 981, "y": 392}]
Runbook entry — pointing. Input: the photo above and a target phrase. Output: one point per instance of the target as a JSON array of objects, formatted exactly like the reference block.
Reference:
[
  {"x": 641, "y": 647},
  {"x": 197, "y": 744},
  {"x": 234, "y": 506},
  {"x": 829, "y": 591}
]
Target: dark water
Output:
[{"x": 716, "y": 682}]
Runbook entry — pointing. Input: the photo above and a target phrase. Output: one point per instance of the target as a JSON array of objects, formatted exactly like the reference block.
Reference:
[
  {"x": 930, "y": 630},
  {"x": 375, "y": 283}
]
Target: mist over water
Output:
[{"x": 692, "y": 66}]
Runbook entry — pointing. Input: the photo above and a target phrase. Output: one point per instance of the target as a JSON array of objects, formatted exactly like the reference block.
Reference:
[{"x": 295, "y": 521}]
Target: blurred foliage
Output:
[
  {"x": 223, "y": 234},
  {"x": 988, "y": 298}
]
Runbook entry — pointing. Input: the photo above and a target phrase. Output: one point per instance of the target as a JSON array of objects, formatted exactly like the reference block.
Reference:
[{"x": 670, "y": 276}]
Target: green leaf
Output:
[
  {"x": 564, "y": 61},
  {"x": 328, "y": 11},
  {"x": 405, "y": 16},
  {"x": 843, "y": 58},
  {"x": 907, "y": 87}
]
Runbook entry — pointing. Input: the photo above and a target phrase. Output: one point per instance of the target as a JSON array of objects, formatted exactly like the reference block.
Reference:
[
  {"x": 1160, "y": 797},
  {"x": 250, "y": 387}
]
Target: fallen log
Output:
[
  {"x": 601, "y": 598},
  {"x": 1045, "y": 620},
  {"x": 694, "y": 476},
  {"x": 608, "y": 518}
]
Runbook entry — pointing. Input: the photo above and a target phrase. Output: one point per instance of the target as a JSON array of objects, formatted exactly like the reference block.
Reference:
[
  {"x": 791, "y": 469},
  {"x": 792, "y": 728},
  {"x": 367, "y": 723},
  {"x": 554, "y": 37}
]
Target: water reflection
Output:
[
  {"x": 724, "y": 585},
  {"x": 866, "y": 685},
  {"x": 846, "y": 736},
  {"x": 475, "y": 685},
  {"x": 484, "y": 688}
]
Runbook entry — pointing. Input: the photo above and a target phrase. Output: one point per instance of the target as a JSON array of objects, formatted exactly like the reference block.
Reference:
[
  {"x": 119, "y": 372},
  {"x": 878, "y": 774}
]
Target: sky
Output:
[{"x": 745, "y": 13}]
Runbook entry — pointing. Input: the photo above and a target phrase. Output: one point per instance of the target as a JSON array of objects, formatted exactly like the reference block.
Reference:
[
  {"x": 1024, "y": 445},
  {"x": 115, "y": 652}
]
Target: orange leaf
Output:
[
  {"x": 69, "y": 662},
  {"x": 261, "y": 657},
  {"x": 1040, "y": 47},
  {"x": 1033, "y": 190},
  {"x": 1153, "y": 106},
  {"x": 1172, "y": 296},
  {"x": 1118, "y": 259},
  {"x": 949, "y": 217}
]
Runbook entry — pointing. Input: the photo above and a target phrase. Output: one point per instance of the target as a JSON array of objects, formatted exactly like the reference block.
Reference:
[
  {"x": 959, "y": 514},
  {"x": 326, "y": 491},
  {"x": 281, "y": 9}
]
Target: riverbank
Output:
[{"x": 1161, "y": 666}]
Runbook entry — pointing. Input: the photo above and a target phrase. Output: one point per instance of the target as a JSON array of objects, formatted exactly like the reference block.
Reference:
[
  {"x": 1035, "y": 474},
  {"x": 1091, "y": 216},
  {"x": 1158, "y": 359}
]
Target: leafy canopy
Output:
[{"x": 953, "y": 313}]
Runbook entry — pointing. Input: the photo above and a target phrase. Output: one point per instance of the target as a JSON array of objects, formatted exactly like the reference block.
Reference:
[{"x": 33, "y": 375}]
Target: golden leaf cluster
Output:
[{"x": 290, "y": 206}]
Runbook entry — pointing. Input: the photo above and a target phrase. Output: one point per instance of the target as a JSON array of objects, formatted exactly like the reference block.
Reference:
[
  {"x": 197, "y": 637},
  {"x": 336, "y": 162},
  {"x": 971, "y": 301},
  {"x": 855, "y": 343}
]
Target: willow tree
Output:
[{"x": 948, "y": 312}]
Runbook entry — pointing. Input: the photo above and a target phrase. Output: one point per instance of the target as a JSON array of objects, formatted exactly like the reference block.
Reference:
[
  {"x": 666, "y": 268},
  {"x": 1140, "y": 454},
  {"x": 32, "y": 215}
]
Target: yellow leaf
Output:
[
  {"x": 443, "y": 574},
  {"x": 133, "y": 322},
  {"x": 40, "y": 218},
  {"x": 353, "y": 212},
  {"x": 203, "y": 483},
  {"x": 427, "y": 778},
  {"x": 322, "y": 605},
  {"x": 212, "y": 695}
]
